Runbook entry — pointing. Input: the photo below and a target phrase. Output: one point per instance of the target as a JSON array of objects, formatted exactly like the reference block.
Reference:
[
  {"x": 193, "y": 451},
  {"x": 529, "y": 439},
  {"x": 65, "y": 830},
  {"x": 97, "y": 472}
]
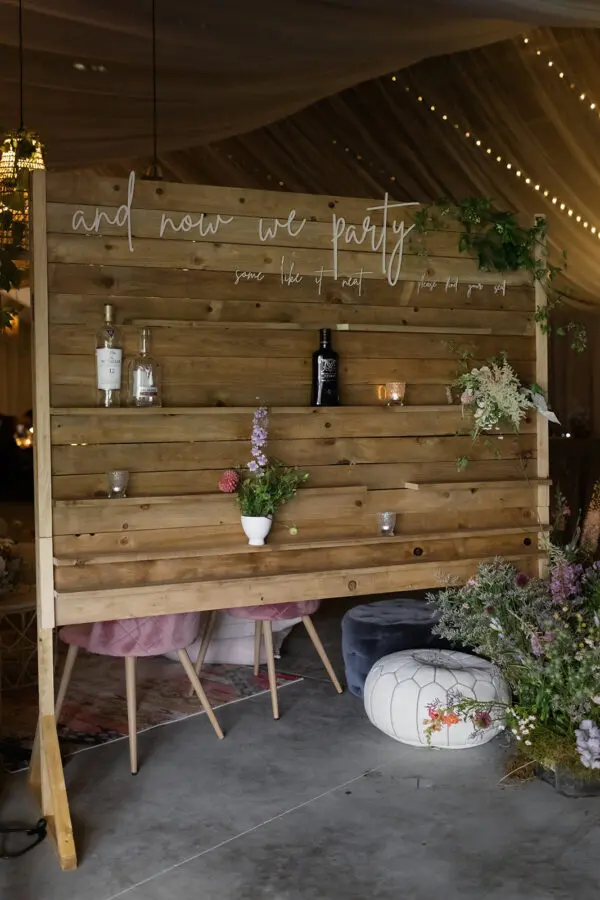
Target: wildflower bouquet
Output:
[
  {"x": 494, "y": 394},
  {"x": 263, "y": 484},
  {"x": 544, "y": 636}
]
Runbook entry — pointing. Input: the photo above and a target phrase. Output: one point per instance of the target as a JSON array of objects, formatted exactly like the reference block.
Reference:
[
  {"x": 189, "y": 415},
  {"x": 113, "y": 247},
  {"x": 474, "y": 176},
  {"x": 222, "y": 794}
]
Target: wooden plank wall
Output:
[{"x": 235, "y": 321}]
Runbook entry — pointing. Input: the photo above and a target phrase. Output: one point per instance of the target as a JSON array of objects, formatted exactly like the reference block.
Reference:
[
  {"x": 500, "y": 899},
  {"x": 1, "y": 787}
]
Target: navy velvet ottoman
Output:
[{"x": 373, "y": 630}]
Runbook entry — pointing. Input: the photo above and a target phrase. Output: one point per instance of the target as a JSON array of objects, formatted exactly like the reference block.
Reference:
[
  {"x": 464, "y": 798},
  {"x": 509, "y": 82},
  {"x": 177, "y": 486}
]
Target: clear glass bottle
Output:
[
  {"x": 144, "y": 376},
  {"x": 109, "y": 359}
]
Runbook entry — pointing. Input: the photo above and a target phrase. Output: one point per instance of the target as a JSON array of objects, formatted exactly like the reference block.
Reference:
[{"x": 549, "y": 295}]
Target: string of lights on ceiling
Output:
[
  {"x": 552, "y": 64},
  {"x": 499, "y": 158}
]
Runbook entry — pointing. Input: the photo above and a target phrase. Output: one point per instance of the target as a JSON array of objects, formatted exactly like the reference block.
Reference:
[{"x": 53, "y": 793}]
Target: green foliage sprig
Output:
[
  {"x": 500, "y": 243},
  {"x": 262, "y": 493}
]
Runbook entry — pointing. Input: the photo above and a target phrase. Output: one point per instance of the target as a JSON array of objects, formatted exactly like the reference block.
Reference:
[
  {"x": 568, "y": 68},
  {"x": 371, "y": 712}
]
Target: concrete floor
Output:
[{"x": 316, "y": 806}]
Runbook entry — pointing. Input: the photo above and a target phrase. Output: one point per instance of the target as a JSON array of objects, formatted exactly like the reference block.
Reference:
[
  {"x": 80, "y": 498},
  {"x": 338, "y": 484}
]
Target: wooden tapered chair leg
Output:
[
  {"x": 130, "y": 692},
  {"x": 312, "y": 633},
  {"x": 184, "y": 659},
  {"x": 267, "y": 631},
  {"x": 65, "y": 679},
  {"x": 207, "y": 634},
  {"x": 257, "y": 637}
]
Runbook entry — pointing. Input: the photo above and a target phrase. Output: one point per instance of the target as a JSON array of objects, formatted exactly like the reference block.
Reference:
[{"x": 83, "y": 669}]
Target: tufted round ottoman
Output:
[
  {"x": 403, "y": 690},
  {"x": 373, "y": 630}
]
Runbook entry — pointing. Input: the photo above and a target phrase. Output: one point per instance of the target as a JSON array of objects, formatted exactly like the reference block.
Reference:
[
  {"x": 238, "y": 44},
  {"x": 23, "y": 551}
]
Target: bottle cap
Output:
[
  {"x": 325, "y": 334},
  {"x": 109, "y": 313}
]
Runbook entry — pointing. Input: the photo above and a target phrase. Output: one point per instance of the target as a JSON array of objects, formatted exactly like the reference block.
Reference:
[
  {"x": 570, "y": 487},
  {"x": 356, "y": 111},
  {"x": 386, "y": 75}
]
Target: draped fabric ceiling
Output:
[{"x": 298, "y": 95}]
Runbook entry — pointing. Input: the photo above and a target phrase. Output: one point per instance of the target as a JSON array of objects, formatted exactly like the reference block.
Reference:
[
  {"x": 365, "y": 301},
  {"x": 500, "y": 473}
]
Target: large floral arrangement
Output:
[
  {"x": 544, "y": 636},
  {"x": 263, "y": 484},
  {"x": 495, "y": 396}
]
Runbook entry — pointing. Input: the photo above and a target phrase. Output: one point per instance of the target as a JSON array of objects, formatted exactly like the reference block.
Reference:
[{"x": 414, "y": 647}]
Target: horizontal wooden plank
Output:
[
  {"x": 320, "y": 530},
  {"x": 83, "y": 188},
  {"x": 242, "y": 342},
  {"x": 237, "y": 229},
  {"x": 69, "y": 460},
  {"x": 255, "y": 562},
  {"x": 275, "y": 393},
  {"x": 127, "y": 283},
  {"x": 81, "y": 309},
  {"x": 229, "y": 371},
  {"x": 85, "y": 606},
  {"x": 233, "y": 545},
  {"x": 466, "y": 498},
  {"x": 236, "y": 425},
  {"x": 374, "y": 476},
  {"x": 77, "y": 516},
  {"x": 223, "y": 257}
]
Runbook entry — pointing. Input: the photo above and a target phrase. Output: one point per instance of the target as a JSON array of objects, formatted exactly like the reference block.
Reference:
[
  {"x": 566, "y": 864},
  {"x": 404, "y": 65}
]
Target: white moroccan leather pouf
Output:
[{"x": 403, "y": 687}]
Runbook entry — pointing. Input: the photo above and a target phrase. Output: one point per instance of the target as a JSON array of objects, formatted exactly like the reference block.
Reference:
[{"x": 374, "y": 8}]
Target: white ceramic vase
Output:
[{"x": 256, "y": 529}]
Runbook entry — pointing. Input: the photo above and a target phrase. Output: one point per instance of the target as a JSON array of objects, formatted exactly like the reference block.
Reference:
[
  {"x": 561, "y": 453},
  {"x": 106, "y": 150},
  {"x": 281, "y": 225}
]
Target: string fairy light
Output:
[
  {"x": 510, "y": 166},
  {"x": 582, "y": 96}
]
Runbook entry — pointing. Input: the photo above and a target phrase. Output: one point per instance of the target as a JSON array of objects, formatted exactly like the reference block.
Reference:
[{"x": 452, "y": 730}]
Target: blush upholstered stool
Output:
[
  {"x": 130, "y": 638},
  {"x": 263, "y": 617}
]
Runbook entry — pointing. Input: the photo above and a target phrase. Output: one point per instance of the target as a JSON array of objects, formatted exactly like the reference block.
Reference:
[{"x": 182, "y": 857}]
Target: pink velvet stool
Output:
[
  {"x": 263, "y": 616},
  {"x": 130, "y": 638}
]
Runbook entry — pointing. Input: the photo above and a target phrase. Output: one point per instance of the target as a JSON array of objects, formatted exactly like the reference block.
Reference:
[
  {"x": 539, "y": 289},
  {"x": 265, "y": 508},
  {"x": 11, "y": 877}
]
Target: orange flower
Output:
[{"x": 450, "y": 718}]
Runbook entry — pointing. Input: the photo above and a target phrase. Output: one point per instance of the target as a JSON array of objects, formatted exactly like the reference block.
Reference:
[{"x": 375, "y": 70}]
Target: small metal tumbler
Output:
[
  {"x": 387, "y": 523},
  {"x": 117, "y": 482}
]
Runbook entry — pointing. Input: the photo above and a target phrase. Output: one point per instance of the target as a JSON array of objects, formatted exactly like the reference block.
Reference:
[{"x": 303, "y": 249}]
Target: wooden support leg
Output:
[
  {"x": 65, "y": 679},
  {"x": 184, "y": 659},
  {"x": 55, "y": 805},
  {"x": 46, "y": 776},
  {"x": 131, "y": 711},
  {"x": 312, "y": 633},
  {"x": 257, "y": 636},
  {"x": 267, "y": 631},
  {"x": 207, "y": 634}
]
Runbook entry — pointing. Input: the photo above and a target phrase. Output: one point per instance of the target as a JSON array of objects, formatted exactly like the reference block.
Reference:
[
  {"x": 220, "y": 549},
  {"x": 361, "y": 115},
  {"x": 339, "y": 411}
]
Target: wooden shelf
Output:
[
  {"x": 238, "y": 547},
  {"x": 244, "y": 410},
  {"x": 216, "y": 497},
  {"x": 475, "y": 485}
]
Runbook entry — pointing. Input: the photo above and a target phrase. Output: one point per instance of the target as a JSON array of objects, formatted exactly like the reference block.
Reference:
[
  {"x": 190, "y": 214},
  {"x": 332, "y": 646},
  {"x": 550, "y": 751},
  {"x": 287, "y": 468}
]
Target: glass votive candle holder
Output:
[
  {"x": 392, "y": 393},
  {"x": 387, "y": 523},
  {"x": 116, "y": 482}
]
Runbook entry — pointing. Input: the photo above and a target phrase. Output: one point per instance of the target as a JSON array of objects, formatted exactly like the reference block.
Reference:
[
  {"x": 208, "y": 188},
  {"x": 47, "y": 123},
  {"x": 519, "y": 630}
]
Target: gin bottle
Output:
[
  {"x": 144, "y": 376},
  {"x": 109, "y": 357},
  {"x": 325, "y": 390}
]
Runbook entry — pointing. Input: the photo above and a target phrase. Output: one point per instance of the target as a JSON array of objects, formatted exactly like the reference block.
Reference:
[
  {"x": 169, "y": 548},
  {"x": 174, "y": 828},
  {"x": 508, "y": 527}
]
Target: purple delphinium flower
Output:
[
  {"x": 259, "y": 437},
  {"x": 588, "y": 744},
  {"x": 565, "y": 581},
  {"x": 522, "y": 580}
]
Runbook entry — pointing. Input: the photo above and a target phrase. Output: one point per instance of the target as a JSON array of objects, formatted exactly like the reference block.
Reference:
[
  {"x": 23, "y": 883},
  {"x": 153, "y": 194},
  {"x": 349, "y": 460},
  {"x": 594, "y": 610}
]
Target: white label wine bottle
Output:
[
  {"x": 109, "y": 358},
  {"x": 325, "y": 387}
]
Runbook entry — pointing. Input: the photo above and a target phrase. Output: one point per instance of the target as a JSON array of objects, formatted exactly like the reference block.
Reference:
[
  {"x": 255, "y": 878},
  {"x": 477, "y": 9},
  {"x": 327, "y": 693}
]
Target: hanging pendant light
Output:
[
  {"x": 22, "y": 150},
  {"x": 154, "y": 171}
]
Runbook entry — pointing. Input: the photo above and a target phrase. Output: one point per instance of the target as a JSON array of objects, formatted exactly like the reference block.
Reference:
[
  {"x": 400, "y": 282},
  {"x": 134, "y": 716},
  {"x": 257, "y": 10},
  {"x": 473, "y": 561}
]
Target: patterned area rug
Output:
[{"x": 95, "y": 709}]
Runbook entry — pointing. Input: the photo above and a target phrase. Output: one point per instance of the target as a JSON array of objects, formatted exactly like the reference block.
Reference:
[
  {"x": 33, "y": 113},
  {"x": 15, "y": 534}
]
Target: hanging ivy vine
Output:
[
  {"x": 500, "y": 243},
  {"x": 13, "y": 218}
]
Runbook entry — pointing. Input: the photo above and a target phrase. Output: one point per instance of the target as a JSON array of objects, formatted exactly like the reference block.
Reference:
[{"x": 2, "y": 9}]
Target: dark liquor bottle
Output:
[{"x": 325, "y": 390}]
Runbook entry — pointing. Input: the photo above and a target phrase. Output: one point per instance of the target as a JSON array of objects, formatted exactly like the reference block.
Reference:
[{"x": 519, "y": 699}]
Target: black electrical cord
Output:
[
  {"x": 38, "y": 833},
  {"x": 21, "y": 118},
  {"x": 154, "y": 172}
]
